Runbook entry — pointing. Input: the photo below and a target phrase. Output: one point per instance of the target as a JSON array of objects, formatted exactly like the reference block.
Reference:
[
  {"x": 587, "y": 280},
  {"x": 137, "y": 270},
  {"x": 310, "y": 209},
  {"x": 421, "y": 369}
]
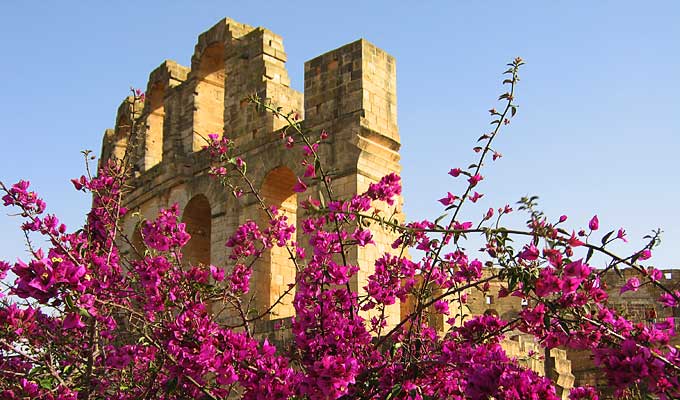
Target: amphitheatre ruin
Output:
[{"x": 350, "y": 92}]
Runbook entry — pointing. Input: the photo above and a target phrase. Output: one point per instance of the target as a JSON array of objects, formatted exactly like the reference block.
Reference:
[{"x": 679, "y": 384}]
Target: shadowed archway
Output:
[{"x": 197, "y": 217}]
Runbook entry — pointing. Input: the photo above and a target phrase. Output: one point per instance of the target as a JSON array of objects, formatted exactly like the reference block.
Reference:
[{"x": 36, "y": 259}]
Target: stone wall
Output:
[
  {"x": 350, "y": 92},
  {"x": 641, "y": 306}
]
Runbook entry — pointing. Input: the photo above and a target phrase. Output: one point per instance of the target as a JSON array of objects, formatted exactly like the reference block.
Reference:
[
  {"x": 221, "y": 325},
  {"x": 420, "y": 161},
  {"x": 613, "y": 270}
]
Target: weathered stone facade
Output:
[{"x": 350, "y": 92}]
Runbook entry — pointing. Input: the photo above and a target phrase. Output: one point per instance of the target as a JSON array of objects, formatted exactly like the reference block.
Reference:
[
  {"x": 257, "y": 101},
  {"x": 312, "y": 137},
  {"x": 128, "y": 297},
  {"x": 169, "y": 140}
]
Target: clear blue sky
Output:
[{"x": 597, "y": 131}]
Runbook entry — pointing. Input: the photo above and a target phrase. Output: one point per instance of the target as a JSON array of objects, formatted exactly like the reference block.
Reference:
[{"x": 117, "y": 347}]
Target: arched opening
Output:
[
  {"x": 491, "y": 312},
  {"x": 197, "y": 217},
  {"x": 209, "y": 95},
  {"x": 276, "y": 270},
  {"x": 121, "y": 137},
  {"x": 138, "y": 246},
  {"x": 153, "y": 139}
]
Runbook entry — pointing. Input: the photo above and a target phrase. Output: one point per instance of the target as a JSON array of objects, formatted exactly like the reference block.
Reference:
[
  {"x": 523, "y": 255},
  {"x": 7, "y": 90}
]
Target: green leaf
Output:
[
  {"x": 606, "y": 237},
  {"x": 394, "y": 392},
  {"x": 171, "y": 385},
  {"x": 564, "y": 326},
  {"x": 69, "y": 301},
  {"x": 322, "y": 199},
  {"x": 590, "y": 254},
  {"x": 46, "y": 382}
]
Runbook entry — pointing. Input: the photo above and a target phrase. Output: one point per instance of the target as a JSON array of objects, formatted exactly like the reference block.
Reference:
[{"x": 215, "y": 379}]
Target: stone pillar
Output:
[{"x": 351, "y": 93}]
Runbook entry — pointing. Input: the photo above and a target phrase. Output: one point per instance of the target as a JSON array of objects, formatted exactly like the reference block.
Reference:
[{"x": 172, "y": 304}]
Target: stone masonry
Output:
[{"x": 351, "y": 93}]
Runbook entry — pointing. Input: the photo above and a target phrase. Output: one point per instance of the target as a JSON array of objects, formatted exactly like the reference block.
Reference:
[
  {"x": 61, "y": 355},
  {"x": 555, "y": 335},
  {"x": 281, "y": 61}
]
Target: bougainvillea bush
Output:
[{"x": 82, "y": 320}]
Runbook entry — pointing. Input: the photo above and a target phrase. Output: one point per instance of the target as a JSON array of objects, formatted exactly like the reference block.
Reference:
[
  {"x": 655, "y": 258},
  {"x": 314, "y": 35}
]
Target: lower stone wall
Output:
[{"x": 554, "y": 364}]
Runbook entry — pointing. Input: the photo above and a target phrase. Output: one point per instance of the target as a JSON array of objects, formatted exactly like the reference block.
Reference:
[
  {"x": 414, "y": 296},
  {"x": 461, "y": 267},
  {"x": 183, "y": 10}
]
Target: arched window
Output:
[
  {"x": 153, "y": 140},
  {"x": 197, "y": 217},
  {"x": 121, "y": 137},
  {"x": 138, "y": 243},
  {"x": 275, "y": 269},
  {"x": 209, "y": 95}
]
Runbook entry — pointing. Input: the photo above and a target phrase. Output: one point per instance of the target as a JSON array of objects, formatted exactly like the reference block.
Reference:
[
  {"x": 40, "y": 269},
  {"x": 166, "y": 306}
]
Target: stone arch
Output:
[
  {"x": 275, "y": 270},
  {"x": 120, "y": 141},
  {"x": 209, "y": 95},
  {"x": 137, "y": 242},
  {"x": 153, "y": 138},
  {"x": 121, "y": 137},
  {"x": 198, "y": 219},
  {"x": 492, "y": 311}
]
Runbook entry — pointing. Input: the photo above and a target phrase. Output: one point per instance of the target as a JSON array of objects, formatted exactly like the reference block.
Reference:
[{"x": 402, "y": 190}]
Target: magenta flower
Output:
[
  {"x": 462, "y": 226},
  {"x": 577, "y": 269},
  {"x": 442, "y": 307},
  {"x": 654, "y": 274},
  {"x": 386, "y": 189},
  {"x": 622, "y": 235},
  {"x": 530, "y": 253},
  {"x": 668, "y": 300},
  {"x": 594, "y": 223},
  {"x": 474, "y": 180},
  {"x": 645, "y": 254},
  {"x": 72, "y": 320},
  {"x": 632, "y": 285},
  {"x": 363, "y": 237},
  {"x": 455, "y": 172},
  {"x": 475, "y": 196},
  {"x": 217, "y": 273},
  {"x": 299, "y": 187},
  {"x": 573, "y": 241},
  {"x": 240, "y": 163},
  {"x": 310, "y": 171},
  {"x": 449, "y": 199},
  {"x": 308, "y": 151}
]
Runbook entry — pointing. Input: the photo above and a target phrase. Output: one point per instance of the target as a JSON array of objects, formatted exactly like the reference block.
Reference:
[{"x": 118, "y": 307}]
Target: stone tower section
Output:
[{"x": 350, "y": 92}]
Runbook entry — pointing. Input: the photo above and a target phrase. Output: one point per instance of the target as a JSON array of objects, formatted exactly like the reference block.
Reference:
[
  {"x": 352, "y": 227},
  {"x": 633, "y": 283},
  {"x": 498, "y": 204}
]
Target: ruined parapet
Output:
[
  {"x": 118, "y": 142},
  {"x": 231, "y": 62},
  {"x": 162, "y": 80}
]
